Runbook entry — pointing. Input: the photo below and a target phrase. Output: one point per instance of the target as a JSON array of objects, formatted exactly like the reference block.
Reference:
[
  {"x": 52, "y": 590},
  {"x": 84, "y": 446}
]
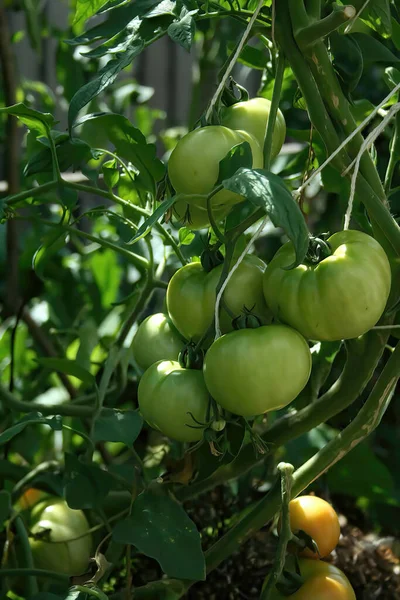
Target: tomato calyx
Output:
[
  {"x": 301, "y": 540},
  {"x": 211, "y": 258},
  {"x": 318, "y": 250},
  {"x": 191, "y": 357},
  {"x": 247, "y": 320},
  {"x": 229, "y": 95},
  {"x": 289, "y": 582}
]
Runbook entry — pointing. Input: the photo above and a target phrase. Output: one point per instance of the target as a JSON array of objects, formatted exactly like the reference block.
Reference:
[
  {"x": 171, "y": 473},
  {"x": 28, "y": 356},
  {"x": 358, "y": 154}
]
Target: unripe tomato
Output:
[
  {"x": 57, "y": 550},
  {"x": 167, "y": 394},
  {"x": 252, "y": 116},
  {"x": 340, "y": 298},
  {"x": 322, "y": 581},
  {"x": 253, "y": 371},
  {"x": 191, "y": 296},
  {"x": 318, "y": 519},
  {"x": 196, "y": 217},
  {"x": 193, "y": 166},
  {"x": 156, "y": 339}
]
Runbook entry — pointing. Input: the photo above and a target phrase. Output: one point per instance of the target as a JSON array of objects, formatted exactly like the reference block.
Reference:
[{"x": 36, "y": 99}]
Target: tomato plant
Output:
[
  {"x": 193, "y": 166},
  {"x": 156, "y": 339},
  {"x": 319, "y": 520},
  {"x": 275, "y": 358},
  {"x": 252, "y": 116},
  {"x": 54, "y": 527},
  {"x": 340, "y": 297},
  {"x": 322, "y": 581},
  {"x": 199, "y": 295},
  {"x": 191, "y": 296},
  {"x": 174, "y": 400}
]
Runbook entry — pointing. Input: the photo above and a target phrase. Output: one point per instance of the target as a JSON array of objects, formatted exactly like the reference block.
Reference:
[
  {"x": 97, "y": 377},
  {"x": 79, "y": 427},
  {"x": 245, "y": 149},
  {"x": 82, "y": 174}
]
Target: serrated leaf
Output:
[
  {"x": 160, "y": 528},
  {"x": 130, "y": 143},
  {"x": 115, "y": 23},
  {"x": 86, "y": 9},
  {"x": 33, "y": 119},
  {"x": 70, "y": 153},
  {"x": 378, "y": 17},
  {"x": 105, "y": 77},
  {"x": 118, "y": 426},
  {"x": 69, "y": 367},
  {"x": 266, "y": 190},
  {"x": 111, "y": 173},
  {"x": 183, "y": 31},
  {"x": 152, "y": 220},
  {"x": 239, "y": 156},
  {"x": 120, "y": 42}
]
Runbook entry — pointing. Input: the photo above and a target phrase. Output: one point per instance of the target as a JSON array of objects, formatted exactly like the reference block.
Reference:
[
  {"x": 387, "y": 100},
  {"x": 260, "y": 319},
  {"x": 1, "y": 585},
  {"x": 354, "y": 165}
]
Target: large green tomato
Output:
[
  {"x": 156, "y": 339},
  {"x": 252, "y": 116},
  {"x": 322, "y": 581},
  {"x": 196, "y": 217},
  {"x": 59, "y": 524},
  {"x": 167, "y": 394},
  {"x": 193, "y": 166},
  {"x": 340, "y": 298},
  {"x": 253, "y": 371},
  {"x": 191, "y": 296}
]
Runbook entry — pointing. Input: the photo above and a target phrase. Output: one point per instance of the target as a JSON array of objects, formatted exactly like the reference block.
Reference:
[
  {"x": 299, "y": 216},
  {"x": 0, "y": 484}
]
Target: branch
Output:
[
  {"x": 317, "y": 30},
  {"x": 280, "y": 70},
  {"x": 65, "y": 410},
  {"x": 11, "y": 163},
  {"x": 285, "y": 535}
]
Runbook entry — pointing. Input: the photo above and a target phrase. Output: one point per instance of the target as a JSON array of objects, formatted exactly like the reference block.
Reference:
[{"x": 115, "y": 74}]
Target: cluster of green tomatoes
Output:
[{"x": 259, "y": 364}]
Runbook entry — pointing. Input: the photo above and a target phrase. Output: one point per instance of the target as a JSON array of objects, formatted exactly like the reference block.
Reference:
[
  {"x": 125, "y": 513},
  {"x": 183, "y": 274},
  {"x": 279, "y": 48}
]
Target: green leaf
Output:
[
  {"x": 87, "y": 486},
  {"x": 239, "y": 156},
  {"x": 396, "y": 33},
  {"x": 33, "y": 119},
  {"x": 130, "y": 144},
  {"x": 86, "y": 9},
  {"x": 118, "y": 426},
  {"x": 186, "y": 236},
  {"x": 29, "y": 419},
  {"x": 111, "y": 173},
  {"x": 379, "y": 17},
  {"x": 118, "y": 19},
  {"x": 251, "y": 57},
  {"x": 348, "y": 475},
  {"x": 268, "y": 191},
  {"x": 183, "y": 31},
  {"x": 120, "y": 42},
  {"x": 152, "y": 220},
  {"x": 373, "y": 50},
  {"x": 5, "y": 507},
  {"x": 107, "y": 274},
  {"x": 169, "y": 589},
  {"x": 105, "y": 77},
  {"x": 52, "y": 244},
  {"x": 238, "y": 214},
  {"x": 348, "y": 59},
  {"x": 69, "y": 367},
  {"x": 160, "y": 528},
  {"x": 165, "y": 7},
  {"x": 70, "y": 153}
]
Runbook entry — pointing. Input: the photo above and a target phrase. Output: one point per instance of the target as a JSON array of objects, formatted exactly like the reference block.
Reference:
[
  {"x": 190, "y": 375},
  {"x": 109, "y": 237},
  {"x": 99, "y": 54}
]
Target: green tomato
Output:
[
  {"x": 340, "y": 298},
  {"x": 156, "y": 339},
  {"x": 252, "y": 116},
  {"x": 191, "y": 296},
  {"x": 253, "y": 371},
  {"x": 167, "y": 394},
  {"x": 193, "y": 166},
  {"x": 58, "y": 523},
  {"x": 196, "y": 217},
  {"x": 322, "y": 581}
]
